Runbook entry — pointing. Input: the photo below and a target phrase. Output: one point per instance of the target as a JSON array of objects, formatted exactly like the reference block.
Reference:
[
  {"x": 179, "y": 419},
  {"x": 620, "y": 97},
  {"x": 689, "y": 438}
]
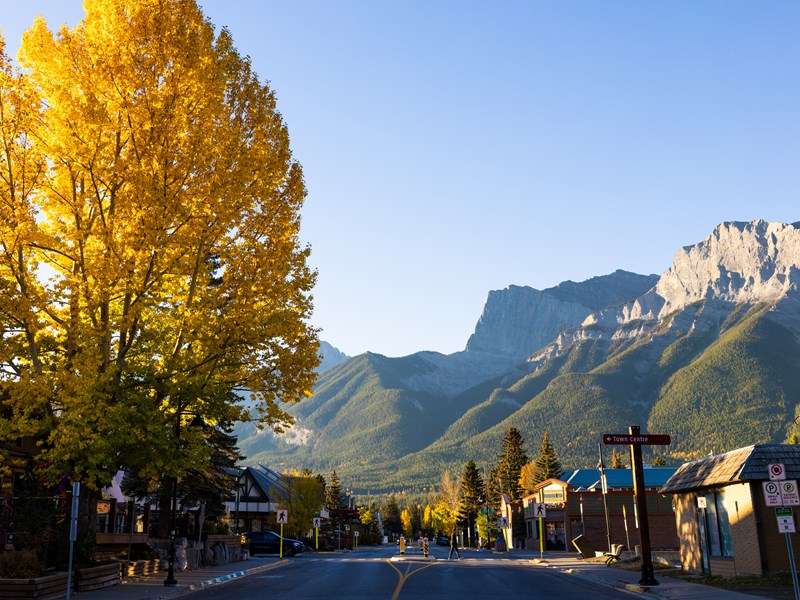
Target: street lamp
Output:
[{"x": 170, "y": 581}]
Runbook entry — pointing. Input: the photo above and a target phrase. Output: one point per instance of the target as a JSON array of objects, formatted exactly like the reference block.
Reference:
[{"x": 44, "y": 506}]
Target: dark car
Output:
[
  {"x": 269, "y": 542},
  {"x": 443, "y": 540}
]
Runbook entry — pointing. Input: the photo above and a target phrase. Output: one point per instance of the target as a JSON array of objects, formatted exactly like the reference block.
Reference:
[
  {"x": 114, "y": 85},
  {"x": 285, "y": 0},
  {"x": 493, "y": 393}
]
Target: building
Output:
[
  {"x": 258, "y": 492},
  {"x": 575, "y": 505},
  {"x": 727, "y": 526}
]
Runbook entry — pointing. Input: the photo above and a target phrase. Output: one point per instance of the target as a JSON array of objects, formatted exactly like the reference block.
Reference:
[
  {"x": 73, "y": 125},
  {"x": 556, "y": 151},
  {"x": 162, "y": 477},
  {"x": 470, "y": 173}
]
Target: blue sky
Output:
[{"x": 453, "y": 147}]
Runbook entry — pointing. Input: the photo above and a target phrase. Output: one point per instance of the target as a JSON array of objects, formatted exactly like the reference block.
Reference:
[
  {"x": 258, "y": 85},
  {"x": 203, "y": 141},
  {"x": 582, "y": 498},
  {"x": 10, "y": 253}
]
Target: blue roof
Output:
[{"x": 654, "y": 477}]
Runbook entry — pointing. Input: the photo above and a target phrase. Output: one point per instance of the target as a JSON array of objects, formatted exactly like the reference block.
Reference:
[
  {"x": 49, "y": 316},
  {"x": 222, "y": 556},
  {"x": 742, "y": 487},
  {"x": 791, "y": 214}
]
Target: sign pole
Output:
[
  {"x": 625, "y": 519},
  {"x": 792, "y": 565},
  {"x": 541, "y": 538},
  {"x": 73, "y": 531},
  {"x": 280, "y": 554},
  {"x": 648, "y": 575},
  {"x": 604, "y": 488}
]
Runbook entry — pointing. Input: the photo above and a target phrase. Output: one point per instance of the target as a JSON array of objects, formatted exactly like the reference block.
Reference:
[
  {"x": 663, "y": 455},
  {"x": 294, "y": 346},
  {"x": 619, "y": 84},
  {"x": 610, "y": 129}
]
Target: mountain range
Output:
[{"x": 707, "y": 352}]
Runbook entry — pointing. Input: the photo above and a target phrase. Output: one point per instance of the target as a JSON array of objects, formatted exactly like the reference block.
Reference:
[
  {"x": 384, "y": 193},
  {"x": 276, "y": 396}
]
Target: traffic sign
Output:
[
  {"x": 777, "y": 471},
  {"x": 772, "y": 493},
  {"x": 502, "y": 522},
  {"x": 540, "y": 510},
  {"x": 316, "y": 522},
  {"x": 789, "y": 492},
  {"x": 785, "y": 520},
  {"x": 643, "y": 439},
  {"x": 283, "y": 516}
]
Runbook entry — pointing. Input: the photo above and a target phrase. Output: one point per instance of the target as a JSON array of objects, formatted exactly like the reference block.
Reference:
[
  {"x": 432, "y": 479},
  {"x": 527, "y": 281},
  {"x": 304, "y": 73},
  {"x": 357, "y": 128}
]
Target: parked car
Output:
[
  {"x": 269, "y": 542},
  {"x": 443, "y": 540}
]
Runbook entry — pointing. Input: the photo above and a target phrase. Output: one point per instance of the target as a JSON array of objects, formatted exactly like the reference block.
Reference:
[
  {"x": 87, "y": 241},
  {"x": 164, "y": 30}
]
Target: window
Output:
[{"x": 718, "y": 529}]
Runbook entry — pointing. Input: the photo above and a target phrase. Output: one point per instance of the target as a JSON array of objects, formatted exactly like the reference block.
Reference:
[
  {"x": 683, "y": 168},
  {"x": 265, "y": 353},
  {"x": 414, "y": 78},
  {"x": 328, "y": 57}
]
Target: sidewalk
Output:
[
  {"x": 668, "y": 588},
  {"x": 153, "y": 588}
]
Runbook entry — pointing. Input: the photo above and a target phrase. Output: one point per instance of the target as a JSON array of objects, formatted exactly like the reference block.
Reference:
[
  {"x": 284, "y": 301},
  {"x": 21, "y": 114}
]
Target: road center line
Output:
[{"x": 405, "y": 576}]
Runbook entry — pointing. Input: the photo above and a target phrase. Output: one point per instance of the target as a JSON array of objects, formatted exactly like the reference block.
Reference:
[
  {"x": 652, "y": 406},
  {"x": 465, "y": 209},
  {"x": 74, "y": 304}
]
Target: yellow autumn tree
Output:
[{"x": 151, "y": 269}]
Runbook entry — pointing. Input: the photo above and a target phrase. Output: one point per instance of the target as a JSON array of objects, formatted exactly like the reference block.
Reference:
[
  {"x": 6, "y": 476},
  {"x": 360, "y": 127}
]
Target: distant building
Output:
[
  {"x": 258, "y": 492},
  {"x": 574, "y": 506},
  {"x": 726, "y": 526}
]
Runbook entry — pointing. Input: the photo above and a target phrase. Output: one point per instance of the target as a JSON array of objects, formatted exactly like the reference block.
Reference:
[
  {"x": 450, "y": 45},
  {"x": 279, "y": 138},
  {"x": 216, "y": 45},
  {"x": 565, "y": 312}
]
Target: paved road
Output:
[{"x": 371, "y": 573}]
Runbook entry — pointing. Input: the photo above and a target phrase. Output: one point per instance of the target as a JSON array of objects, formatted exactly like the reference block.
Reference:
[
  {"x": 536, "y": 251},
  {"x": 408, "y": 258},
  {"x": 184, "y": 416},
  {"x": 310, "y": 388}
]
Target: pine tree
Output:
[
  {"x": 473, "y": 497},
  {"x": 493, "y": 488},
  {"x": 547, "y": 465},
  {"x": 510, "y": 463},
  {"x": 333, "y": 501},
  {"x": 391, "y": 516}
]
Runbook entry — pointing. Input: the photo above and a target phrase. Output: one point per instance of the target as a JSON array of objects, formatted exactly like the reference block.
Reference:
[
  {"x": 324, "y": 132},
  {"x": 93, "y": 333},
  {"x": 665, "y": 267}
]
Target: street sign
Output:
[
  {"x": 317, "y": 522},
  {"x": 789, "y": 492},
  {"x": 777, "y": 471},
  {"x": 283, "y": 516},
  {"x": 772, "y": 493},
  {"x": 540, "y": 510},
  {"x": 785, "y": 520},
  {"x": 638, "y": 439},
  {"x": 503, "y": 522}
]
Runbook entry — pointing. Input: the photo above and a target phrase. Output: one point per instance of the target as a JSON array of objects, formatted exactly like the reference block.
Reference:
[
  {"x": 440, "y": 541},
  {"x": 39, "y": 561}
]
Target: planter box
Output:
[
  {"x": 97, "y": 578},
  {"x": 42, "y": 588},
  {"x": 140, "y": 568},
  {"x": 230, "y": 539}
]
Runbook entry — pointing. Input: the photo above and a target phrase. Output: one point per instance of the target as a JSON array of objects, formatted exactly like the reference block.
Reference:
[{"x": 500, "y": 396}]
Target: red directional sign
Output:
[{"x": 639, "y": 439}]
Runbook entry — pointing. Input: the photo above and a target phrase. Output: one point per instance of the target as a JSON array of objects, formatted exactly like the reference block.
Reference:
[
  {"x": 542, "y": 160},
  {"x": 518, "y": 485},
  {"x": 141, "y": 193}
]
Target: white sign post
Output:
[{"x": 787, "y": 495}]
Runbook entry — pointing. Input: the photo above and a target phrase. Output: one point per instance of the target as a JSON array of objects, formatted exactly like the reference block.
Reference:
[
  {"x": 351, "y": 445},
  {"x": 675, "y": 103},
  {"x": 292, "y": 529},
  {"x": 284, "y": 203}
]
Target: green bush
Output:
[{"x": 20, "y": 564}]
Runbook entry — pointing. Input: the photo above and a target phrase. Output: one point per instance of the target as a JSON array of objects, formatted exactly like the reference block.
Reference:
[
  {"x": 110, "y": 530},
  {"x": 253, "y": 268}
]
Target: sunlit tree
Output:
[
  {"x": 510, "y": 462},
  {"x": 304, "y": 498},
  {"x": 150, "y": 265}
]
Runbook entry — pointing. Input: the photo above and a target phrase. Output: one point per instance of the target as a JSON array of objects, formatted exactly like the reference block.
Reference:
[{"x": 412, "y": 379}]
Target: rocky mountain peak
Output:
[
  {"x": 518, "y": 320},
  {"x": 738, "y": 263}
]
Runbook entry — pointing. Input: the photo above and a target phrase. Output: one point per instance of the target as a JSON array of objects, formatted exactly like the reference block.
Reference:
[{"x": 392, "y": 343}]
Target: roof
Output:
[
  {"x": 654, "y": 477},
  {"x": 744, "y": 464},
  {"x": 616, "y": 479},
  {"x": 268, "y": 480}
]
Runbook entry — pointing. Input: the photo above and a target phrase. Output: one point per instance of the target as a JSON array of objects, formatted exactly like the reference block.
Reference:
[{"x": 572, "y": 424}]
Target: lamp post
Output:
[{"x": 170, "y": 581}]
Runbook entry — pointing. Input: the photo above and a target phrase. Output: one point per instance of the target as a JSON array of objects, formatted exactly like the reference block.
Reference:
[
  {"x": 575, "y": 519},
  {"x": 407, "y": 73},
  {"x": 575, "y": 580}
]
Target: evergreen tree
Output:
[
  {"x": 391, "y": 516},
  {"x": 547, "y": 465},
  {"x": 473, "y": 497},
  {"x": 617, "y": 459},
  {"x": 493, "y": 488},
  {"x": 333, "y": 500},
  {"x": 510, "y": 462}
]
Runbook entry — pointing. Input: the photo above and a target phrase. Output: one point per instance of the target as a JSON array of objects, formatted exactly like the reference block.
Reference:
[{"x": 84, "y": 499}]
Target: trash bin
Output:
[{"x": 500, "y": 544}]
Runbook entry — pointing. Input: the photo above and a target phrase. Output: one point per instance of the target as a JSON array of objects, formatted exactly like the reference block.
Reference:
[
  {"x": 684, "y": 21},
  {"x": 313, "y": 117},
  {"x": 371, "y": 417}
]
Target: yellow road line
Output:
[{"x": 404, "y": 577}]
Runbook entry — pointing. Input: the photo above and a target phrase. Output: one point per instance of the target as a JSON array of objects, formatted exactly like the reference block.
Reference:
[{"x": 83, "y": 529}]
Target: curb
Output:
[{"x": 236, "y": 575}]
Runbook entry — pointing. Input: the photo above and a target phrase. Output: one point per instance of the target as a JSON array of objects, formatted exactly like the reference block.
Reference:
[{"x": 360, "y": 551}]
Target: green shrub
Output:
[{"x": 20, "y": 564}]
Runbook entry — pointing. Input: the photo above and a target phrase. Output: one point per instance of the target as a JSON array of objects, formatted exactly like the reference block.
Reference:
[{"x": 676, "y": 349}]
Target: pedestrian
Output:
[{"x": 454, "y": 546}]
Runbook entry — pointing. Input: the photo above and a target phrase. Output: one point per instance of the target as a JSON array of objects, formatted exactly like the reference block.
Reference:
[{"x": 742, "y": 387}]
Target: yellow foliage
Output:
[{"x": 150, "y": 265}]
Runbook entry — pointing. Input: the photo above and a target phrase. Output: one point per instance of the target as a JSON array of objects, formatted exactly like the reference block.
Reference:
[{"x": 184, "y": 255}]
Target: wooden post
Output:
[{"x": 648, "y": 575}]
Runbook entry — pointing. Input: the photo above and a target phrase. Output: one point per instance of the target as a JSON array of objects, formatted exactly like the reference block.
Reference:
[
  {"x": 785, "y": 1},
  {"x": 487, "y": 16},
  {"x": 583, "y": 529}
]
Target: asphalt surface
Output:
[{"x": 153, "y": 588}]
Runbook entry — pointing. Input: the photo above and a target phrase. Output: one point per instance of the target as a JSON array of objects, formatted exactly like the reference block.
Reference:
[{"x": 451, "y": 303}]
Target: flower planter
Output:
[
  {"x": 97, "y": 578},
  {"x": 42, "y": 588}
]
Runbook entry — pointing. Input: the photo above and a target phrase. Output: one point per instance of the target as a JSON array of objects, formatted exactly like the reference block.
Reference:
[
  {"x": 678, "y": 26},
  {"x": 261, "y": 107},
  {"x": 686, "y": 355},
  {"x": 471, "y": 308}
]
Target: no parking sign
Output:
[{"x": 777, "y": 472}]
